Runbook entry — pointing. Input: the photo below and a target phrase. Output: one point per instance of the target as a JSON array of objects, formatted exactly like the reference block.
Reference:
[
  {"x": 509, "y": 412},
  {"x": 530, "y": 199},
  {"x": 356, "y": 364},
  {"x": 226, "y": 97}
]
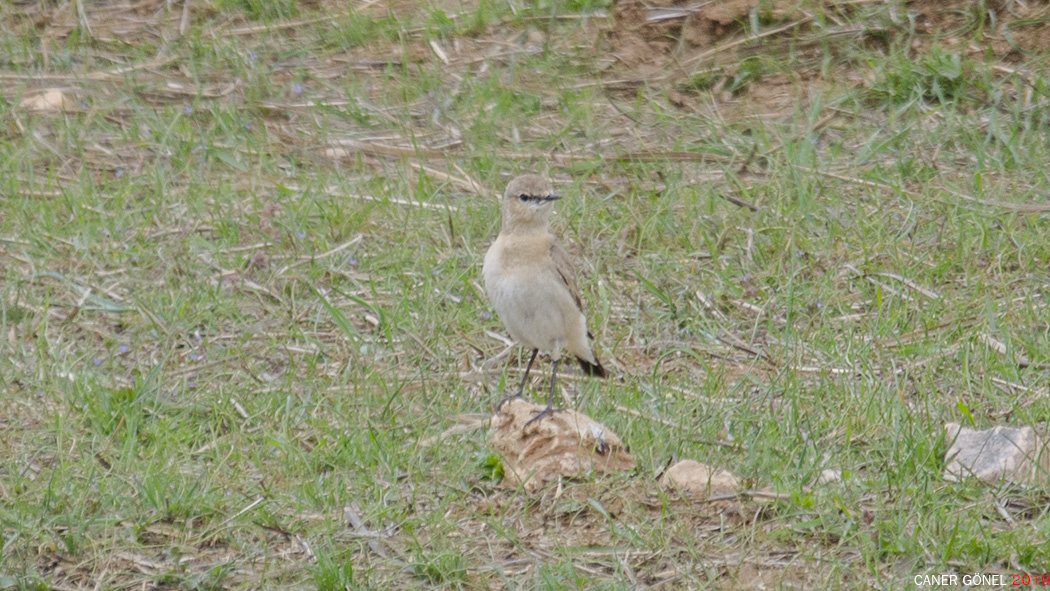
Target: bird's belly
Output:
[{"x": 534, "y": 316}]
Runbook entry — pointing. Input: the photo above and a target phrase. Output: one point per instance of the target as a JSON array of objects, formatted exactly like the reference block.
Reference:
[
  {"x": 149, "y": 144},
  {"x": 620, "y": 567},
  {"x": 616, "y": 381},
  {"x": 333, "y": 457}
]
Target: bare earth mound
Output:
[{"x": 564, "y": 444}]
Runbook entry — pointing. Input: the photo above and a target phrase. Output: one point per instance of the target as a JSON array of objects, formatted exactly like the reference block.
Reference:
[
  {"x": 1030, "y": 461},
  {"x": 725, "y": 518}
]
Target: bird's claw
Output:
[
  {"x": 499, "y": 405},
  {"x": 549, "y": 410}
]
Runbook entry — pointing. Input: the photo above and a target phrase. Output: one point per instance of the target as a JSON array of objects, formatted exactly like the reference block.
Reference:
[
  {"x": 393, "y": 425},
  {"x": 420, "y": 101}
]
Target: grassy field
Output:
[{"x": 243, "y": 338}]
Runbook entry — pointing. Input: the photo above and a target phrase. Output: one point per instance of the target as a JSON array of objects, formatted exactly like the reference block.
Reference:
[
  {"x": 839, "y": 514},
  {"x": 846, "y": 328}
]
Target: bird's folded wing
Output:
[{"x": 563, "y": 264}]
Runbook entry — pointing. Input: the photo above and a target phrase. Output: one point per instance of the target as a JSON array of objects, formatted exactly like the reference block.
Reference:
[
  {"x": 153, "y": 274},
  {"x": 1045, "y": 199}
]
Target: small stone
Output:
[
  {"x": 337, "y": 153},
  {"x": 536, "y": 38},
  {"x": 996, "y": 455},
  {"x": 699, "y": 481},
  {"x": 49, "y": 100},
  {"x": 828, "y": 476}
]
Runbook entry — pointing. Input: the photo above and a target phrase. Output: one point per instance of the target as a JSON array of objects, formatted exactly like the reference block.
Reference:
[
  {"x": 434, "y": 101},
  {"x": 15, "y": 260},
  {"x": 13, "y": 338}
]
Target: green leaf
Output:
[
  {"x": 229, "y": 159},
  {"x": 337, "y": 316}
]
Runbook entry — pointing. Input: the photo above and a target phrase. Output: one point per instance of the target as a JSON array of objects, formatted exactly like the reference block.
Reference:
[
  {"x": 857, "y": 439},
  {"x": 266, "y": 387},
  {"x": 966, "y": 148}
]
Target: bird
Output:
[{"x": 531, "y": 282}]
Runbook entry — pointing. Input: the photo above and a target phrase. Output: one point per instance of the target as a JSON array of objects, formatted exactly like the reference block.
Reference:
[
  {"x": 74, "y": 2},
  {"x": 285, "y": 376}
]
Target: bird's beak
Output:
[{"x": 553, "y": 197}]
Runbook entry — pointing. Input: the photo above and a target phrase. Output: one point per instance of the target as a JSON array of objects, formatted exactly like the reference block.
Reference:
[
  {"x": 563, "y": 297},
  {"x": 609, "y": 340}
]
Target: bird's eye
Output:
[{"x": 523, "y": 197}]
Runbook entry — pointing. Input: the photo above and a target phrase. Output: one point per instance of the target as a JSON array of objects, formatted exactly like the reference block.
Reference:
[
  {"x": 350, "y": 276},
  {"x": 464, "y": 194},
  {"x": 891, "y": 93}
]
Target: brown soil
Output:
[
  {"x": 680, "y": 42},
  {"x": 1013, "y": 35},
  {"x": 648, "y": 46},
  {"x": 657, "y": 37}
]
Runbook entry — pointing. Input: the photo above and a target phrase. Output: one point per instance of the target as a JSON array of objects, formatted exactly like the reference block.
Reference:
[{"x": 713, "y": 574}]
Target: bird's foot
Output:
[
  {"x": 499, "y": 405},
  {"x": 549, "y": 410}
]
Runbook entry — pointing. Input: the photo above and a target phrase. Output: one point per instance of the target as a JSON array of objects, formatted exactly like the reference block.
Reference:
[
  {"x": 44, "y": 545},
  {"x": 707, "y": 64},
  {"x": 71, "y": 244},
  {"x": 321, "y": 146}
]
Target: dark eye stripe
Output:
[{"x": 526, "y": 197}]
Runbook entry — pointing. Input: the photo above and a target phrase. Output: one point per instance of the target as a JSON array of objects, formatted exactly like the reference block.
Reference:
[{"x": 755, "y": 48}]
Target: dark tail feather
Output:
[{"x": 593, "y": 369}]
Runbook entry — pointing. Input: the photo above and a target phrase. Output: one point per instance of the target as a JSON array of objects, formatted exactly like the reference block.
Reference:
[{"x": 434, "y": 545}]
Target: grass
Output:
[{"x": 240, "y": 297}]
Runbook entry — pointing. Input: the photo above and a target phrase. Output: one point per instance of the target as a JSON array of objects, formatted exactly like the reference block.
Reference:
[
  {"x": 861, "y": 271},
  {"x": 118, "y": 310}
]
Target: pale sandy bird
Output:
[{"x": 531, "y": 282}]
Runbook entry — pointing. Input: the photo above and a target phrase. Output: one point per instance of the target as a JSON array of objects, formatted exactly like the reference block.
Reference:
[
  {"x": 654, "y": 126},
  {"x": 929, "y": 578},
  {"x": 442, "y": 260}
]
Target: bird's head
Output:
[{"x": 527, "y": 203}]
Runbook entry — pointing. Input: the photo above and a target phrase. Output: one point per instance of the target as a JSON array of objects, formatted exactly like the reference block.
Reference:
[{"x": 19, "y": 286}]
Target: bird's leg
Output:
[
  {"x": 550, "y": 398},
  {"x": 521, "y": 388}
]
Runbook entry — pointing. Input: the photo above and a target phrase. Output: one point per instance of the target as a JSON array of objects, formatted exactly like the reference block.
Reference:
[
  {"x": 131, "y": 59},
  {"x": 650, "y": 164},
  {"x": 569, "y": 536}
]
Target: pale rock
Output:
[
  {"x": 999, "y": 454},
  {"x": 48, "y": 100},
  {"x": 699, "y": 481},
  {"x": 828, "y": 476}
]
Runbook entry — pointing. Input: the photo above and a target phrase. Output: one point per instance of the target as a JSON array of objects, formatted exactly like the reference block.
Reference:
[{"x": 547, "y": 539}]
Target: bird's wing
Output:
[{"x": 563, "y": 265}]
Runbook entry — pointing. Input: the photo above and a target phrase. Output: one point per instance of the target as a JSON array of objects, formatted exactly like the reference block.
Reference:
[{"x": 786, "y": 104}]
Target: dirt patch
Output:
[
  {"x": 651, "y": 38},
  {"x": 1029, "y": 37},
  {"x": 579, "y": 514},
  {"x": 709, "y": 58},
  {"x": 1009, "y": 29},
  {"x": 647, "y": 36}
]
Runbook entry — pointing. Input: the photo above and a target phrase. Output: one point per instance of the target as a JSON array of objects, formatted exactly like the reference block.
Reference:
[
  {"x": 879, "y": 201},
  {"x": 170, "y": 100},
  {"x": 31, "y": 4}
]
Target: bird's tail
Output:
[{"x": 593, "y": 369}]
